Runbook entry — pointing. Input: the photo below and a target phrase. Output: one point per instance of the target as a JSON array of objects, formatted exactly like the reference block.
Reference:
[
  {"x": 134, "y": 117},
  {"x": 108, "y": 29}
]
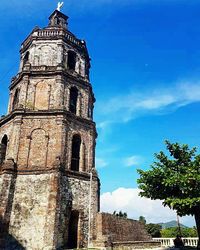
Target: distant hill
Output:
[{"x": 172, "y": 223}]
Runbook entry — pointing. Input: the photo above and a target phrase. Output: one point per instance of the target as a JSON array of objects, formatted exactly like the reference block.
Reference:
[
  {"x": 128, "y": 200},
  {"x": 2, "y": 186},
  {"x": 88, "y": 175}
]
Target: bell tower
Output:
[{"x": 49, "y": 189}]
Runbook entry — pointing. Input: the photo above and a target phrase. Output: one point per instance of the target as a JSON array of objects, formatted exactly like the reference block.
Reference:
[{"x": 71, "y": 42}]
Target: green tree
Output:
[
  {"x": 120, "y": 214},
  {"x": 175, "y": 179},
  {"x": 142, "y": 219},
  {"x": 125, "y": 215},
  {"x": 171, "y": 232},
  {"x": 153, "y": 229}
]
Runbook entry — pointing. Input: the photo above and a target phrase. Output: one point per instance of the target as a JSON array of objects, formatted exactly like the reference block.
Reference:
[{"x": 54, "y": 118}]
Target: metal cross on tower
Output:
[{"x": 60, "y": 5}]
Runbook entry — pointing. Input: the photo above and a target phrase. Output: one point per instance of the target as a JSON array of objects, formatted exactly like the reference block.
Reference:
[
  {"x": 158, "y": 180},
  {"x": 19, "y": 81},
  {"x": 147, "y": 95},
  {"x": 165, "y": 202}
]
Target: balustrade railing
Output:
[
  {"x": 53, "y": 33},
  {"x": 169, "y": 242},
  {"x": 43, "y": 68}
]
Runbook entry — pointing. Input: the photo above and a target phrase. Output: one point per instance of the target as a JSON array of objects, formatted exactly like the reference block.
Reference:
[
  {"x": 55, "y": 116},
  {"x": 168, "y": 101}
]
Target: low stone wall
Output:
[{"x": 115, "y": 230}]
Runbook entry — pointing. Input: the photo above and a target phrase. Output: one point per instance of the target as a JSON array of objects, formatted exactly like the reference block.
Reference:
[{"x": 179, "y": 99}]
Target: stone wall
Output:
[
  {"x": 43, "y": 93},
  {"x": 49, "y": 53},
  {"x": 39, "y": 137},
  {"x": 111, "y": 228},
  {"x": 38, "y": 208},
  {"x": 29, "y": 214},
  {"x": 48, "y": 137},
  {"x": 80, "y": 191}
]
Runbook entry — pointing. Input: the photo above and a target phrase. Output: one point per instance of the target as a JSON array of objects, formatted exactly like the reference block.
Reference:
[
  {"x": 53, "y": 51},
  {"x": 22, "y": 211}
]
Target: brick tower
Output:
[{"x": 49, "y": 189}]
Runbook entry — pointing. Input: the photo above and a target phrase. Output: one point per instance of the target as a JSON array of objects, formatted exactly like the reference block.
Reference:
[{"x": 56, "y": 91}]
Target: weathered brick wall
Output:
[
  {"x": 40, "y": 206},
  {"x": 87, "y": 134},
  {"x": 43, "y": 93},
  {"x": 49, "y": 53},
  {"x": 111, "y": 228},
  {"x": 12, "y": 130},
  {"x": 39, "y": 136},
  {"x": 78, "y": 191},
  {"x": 6, "y": 192},
  {"x": 7, "y": 182},
  {"x": 49, "y": 137},
  {"x": 45, "y": 53},
  {"x": 29, "y": 211}
]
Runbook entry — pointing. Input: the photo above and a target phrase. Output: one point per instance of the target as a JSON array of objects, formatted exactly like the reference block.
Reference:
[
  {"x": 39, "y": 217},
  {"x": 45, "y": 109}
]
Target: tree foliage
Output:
[
  {"x": 120, "y": 214},
  {"x": 172, "y": 232},
  {"x": 154, "y": 229},
  {"x": 142, "y": 219},
  {"x": 175, "y": 179}
]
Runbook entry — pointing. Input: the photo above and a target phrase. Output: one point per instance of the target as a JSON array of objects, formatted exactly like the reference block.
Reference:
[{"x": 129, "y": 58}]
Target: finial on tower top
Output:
[{"x": 60, "y": 5}]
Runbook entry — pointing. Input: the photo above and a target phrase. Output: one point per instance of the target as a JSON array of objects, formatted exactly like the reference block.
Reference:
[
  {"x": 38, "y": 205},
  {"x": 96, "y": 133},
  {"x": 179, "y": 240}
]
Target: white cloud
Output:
[
  {"x": 124, "y": 108},
  {"x": 151, "y": 103},
  {"x": 100, "y": 163},
  {"x": 134, "y": 160},
  {"x": 128, "y": 200},
  {"x": 103, "y": 125}
]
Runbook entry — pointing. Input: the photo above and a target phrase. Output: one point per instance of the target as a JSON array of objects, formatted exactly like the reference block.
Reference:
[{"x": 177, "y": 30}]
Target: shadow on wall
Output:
[{"x": 7, "y": 241}]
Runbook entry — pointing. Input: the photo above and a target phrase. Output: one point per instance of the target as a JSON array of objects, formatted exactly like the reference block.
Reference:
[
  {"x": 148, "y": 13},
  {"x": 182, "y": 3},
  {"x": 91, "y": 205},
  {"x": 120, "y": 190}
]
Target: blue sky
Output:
[{"x": 145, "y": 74}]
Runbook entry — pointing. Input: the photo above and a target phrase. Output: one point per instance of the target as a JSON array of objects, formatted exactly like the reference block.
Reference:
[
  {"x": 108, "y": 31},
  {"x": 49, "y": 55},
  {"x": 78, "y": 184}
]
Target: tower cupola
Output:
[
  {"x": 55, "y": 46},
  {"x": 58, "y": 19}
]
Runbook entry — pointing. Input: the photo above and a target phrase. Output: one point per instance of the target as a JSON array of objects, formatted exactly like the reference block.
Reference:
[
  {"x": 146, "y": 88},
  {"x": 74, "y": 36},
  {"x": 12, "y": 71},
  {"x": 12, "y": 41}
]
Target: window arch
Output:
[
  {"x": 73, "y": 100},
  {"x": 42, "y": 95},
  {"x": 38, "y": 145},
  {"x": 3, "y": 148},
  {"x": 15, "y": 99},
  {"x": 75, "y": 160},
  {"x": 71, "y": 62}
]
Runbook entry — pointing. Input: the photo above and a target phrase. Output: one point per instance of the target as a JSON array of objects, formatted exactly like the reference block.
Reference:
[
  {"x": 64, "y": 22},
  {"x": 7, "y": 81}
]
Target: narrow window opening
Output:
[
  {"x": 56, "y": 21},
  {"x": 16, "y": 99},
  {"x": 73, "y": 100},
  {"x": 71, "y": 60},
  {"x": 90, "y": 111},
  {"x": 26, "y": 57},
  {"x": 3, "y": 149},
  {"x": 76, "y": 143}
]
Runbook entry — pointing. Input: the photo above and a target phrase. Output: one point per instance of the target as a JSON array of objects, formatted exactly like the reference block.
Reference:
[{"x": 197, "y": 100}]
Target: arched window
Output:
[
  {"x": 73, "y": 99},
  {"x": 26, "y": 58},
  {"x": 75, "y": 160},
  {"x": 15, "y": 99},
  {"x": 71, "y": 62},
  {"x": 3, "y": 148}
]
